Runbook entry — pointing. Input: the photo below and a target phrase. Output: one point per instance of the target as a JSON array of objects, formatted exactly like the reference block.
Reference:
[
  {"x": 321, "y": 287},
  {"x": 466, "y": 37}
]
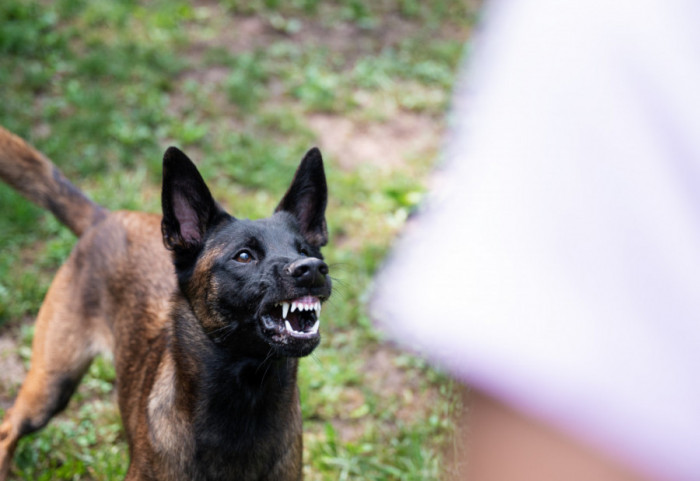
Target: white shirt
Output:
[{"x": 559, "y": 266}]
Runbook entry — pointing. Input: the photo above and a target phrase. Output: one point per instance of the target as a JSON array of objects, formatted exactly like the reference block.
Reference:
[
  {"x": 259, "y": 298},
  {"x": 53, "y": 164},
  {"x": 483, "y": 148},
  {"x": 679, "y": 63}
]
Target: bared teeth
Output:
[
  {"x": 307, "y": 303},
  {"x": 285, "y": 308},
  {"x": 314, "y": 329}
]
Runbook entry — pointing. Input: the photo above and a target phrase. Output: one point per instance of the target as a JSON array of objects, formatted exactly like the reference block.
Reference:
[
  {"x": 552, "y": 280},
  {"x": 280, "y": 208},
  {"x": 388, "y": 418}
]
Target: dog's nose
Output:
[{"x": 309, "y": 272}]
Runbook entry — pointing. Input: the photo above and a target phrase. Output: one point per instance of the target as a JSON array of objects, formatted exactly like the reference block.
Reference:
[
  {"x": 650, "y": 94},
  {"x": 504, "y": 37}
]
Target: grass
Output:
[{"x": 104, "y": 87}]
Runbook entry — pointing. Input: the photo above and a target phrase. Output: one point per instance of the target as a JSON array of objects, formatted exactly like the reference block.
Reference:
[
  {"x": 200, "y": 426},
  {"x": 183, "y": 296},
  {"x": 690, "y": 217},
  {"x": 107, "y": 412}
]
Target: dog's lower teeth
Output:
[{"x": 313, "y": 330}]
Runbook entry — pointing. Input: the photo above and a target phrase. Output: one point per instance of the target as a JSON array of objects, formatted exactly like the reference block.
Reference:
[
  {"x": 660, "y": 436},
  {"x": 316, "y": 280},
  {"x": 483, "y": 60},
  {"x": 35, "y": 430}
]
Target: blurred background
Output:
[{"x": 244, "y": 88}]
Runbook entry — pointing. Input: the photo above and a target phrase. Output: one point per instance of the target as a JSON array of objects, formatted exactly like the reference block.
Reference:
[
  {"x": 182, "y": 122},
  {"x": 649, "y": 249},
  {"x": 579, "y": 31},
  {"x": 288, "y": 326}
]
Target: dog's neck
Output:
[
  {"x": 237, "y": 415},
  {"x": 225, "y": 372}
]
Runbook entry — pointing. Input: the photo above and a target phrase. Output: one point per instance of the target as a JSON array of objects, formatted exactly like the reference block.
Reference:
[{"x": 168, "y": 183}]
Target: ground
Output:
[{"x": 244, "y": 88}]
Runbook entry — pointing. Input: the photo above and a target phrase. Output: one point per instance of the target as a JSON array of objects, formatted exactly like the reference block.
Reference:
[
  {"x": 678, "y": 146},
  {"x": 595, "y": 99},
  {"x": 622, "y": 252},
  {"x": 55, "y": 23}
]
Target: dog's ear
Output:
[
  {"x": 188, "y": 207},
  {"x": 307, "y": 197}
]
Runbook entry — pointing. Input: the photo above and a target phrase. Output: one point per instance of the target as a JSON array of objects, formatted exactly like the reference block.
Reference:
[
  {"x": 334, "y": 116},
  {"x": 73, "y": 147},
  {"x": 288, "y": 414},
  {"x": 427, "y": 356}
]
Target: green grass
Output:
[{"x": 104, "y": 87}]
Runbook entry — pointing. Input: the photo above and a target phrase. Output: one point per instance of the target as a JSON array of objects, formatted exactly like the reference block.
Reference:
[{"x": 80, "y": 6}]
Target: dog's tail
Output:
[{"x": 34, "y": 176}]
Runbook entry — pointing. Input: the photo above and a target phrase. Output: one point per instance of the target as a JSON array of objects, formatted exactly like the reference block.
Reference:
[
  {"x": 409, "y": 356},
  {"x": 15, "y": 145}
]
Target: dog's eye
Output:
[{"x": 244, "y": 257}]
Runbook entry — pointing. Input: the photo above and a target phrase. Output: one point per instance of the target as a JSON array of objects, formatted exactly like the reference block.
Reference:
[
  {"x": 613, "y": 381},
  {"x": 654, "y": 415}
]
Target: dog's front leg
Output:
[{"x": 63, "y": 347}]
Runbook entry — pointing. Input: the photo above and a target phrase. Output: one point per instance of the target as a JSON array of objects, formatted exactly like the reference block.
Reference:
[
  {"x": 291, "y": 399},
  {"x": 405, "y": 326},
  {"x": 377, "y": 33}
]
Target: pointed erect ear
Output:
[
  {"x": 188, "y": 207},
  {"x": 307, "y": 197}
]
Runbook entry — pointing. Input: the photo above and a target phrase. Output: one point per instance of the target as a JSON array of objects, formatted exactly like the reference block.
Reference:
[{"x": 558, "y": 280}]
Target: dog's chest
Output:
[
  {"x": 236, "y": 432},
  {"x": 220, "y": 454},
  {"x": 249, "y": 444}
]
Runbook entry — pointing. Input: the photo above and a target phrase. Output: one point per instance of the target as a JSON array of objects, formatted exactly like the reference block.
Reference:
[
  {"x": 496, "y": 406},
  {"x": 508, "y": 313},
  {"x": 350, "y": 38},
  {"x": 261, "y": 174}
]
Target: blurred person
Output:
[{"x": 556, "y": 271}]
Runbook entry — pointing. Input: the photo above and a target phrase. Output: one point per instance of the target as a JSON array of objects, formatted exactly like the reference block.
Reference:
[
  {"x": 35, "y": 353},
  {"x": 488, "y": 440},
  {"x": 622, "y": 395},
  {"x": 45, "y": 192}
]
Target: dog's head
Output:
[{"x": 255, "y": 286}]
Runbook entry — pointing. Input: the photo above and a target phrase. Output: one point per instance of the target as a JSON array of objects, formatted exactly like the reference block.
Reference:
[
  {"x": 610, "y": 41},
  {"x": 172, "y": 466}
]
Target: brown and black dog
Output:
[{"x": 205, "y": 314}]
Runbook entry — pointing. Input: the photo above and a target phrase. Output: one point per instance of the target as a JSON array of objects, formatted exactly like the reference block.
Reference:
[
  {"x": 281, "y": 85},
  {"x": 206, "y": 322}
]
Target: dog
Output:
[{"x": 206, "y": 316}]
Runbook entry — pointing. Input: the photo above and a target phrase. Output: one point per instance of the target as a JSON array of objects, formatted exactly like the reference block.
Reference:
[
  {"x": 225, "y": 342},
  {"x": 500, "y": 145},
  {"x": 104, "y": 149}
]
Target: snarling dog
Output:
[{"x": 206, "y": 316}]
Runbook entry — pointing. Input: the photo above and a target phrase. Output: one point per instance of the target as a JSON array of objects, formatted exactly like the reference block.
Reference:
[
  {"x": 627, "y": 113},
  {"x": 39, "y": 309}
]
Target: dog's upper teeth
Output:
[{"x": 303, "y": 304}]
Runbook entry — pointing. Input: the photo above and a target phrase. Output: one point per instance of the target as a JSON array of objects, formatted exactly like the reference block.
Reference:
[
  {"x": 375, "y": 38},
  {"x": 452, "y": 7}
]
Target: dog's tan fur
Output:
[{"x": 118, "y": 275}]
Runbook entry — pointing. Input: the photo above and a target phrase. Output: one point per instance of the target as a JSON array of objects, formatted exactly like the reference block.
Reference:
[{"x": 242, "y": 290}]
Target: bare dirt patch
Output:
[{"x": 388, "y": 144}]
